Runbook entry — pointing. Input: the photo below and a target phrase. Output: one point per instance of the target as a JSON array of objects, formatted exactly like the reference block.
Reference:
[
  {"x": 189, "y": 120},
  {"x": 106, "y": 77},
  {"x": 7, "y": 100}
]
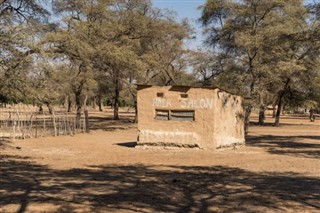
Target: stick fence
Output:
[{"x": 21, "y": 122}]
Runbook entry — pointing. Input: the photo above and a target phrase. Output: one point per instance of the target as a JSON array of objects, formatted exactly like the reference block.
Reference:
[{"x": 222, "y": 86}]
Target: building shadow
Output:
[
  {"x": 140, "y": 188},
  {"x": 127, "y": 144}
]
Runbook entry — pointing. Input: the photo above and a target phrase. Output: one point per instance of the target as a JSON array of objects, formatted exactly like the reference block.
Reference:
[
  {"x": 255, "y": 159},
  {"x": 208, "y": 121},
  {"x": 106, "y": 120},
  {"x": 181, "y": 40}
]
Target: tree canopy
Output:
[
  {"x": 95, "y": 51},
  {"x": 272, "y": 47}
]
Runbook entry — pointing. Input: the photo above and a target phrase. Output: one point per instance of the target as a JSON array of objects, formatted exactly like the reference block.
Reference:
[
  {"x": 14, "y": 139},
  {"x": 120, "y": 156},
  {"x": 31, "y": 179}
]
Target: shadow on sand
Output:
[
  {"x": 288, "y": 145},
  {"x": 140, "y": 188}
]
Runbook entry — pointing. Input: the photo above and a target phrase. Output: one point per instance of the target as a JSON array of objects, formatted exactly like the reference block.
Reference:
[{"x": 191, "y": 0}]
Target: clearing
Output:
[{"x": 277, "y": 171}]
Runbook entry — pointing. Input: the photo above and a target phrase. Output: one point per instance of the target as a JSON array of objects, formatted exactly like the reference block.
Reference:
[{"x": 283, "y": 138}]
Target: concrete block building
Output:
[{"x": 191, "y": 117}]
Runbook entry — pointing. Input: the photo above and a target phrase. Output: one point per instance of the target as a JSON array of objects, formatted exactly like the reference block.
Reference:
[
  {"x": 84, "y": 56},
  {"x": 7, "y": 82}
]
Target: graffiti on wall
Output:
[
  {"x": 168, "y": 137},
  {"x": 203, "y": 103},
  {"x": 160, "y": 102}
]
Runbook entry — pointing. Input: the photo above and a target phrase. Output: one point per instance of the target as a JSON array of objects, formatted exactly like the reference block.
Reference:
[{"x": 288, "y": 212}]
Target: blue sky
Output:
[{"x": 185, "y": 9}]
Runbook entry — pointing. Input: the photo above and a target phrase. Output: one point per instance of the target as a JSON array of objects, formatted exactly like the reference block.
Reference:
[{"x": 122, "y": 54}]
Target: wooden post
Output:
[
  {"x": 44, "y": 123},
  {"x": 31, "y": 125},
  {"x": 18, "y": 124},
  {"x": 86, "y": 116},
  {"x": 54, "y": 123},
  {"x": 69, "y": 123},
  {"x": 65, "y": 123}
]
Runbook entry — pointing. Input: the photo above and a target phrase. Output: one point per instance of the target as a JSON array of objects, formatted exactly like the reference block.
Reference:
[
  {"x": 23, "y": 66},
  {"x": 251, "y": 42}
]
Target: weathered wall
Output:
[
  {"x": 204, "y": 131},
  {"x": 229, "y": 123}
]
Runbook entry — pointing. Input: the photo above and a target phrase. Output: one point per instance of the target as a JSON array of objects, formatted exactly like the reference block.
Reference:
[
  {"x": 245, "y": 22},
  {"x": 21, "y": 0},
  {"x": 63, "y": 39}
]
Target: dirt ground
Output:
[{"x": 277, "y": 171}]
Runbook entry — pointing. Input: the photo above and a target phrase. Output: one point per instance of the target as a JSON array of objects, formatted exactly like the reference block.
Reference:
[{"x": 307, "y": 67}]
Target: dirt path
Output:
[{"x": 277, "y": 171}]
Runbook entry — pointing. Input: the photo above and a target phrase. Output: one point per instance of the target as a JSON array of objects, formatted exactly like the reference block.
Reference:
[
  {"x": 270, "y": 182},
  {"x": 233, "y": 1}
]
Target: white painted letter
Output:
[
  {"x": 184, "y": 104},
  {"x": 209, "y": 103}
]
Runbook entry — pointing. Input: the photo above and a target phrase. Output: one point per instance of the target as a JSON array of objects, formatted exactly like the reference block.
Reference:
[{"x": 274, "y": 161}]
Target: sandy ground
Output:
[{"x": 277, "y": 171}]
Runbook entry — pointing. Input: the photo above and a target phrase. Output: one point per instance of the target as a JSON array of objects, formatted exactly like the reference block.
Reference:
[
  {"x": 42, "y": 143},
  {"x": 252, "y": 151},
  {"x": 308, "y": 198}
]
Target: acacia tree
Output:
[
  {"x": 207, "y": 66},
  {"x": 162, "y": 49},
  {"x": 116, "y": 44},
  {"x": 146, "y": 46},
  {"x": 17, "y": 44},
  {"x": 293, "y": 53},
  {"x": 71, "y": 43},
  {"x": 257, "y": 36},
  {"x": 44, "y": 88},
  {"x": 124, "y": 41}
]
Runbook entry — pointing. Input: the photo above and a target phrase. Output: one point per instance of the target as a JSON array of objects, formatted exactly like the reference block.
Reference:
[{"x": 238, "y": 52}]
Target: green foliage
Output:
[
  {"x": 96, "y": 50},
  {"x": 91, "y": 49},
  {"x": 16, "y": 43},
  {"x": 271, "y": 47}
]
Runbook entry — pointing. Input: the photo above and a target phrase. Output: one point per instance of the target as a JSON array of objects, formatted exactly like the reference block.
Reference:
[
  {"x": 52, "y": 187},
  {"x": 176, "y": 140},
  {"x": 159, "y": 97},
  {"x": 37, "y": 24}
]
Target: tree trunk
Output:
[
  {"x": 78, "y": 107},
  {"x": 100, "y": 102},
  {"x": 274, "y": 110},
  {"x": 65, "y": 103},
  {"x": 261, "y": 115},
  {"x": 312, "y": 116},
  {"x": 116, "y": 99},
  {"x": 40, "y": 108},
  {"x": 134, "y": 97},
  {"x": 69, "y": 104},
  {"x": 247, "y": 119},
  {"x": 86, "y": 118},
  {"x": 280, "y": 99},
  {"x": 86, "y": 115},
  {"x": 85, "y": 102},
  {"x": 277, "y": 118},
  {"x": 49, "y": 107},
  {"x": 135, "y": 111},
  {"x": 94, "y": 103}
]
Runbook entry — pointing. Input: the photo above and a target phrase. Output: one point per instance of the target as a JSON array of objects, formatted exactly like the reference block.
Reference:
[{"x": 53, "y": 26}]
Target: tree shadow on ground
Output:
[
  {"x": 109, "y": 124},
  {"x": 140, "y": 188},
  {"x": 288, "y": 145},
  {"x": 4, "y": 143},
  {"x": 271, "y": 124}
]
